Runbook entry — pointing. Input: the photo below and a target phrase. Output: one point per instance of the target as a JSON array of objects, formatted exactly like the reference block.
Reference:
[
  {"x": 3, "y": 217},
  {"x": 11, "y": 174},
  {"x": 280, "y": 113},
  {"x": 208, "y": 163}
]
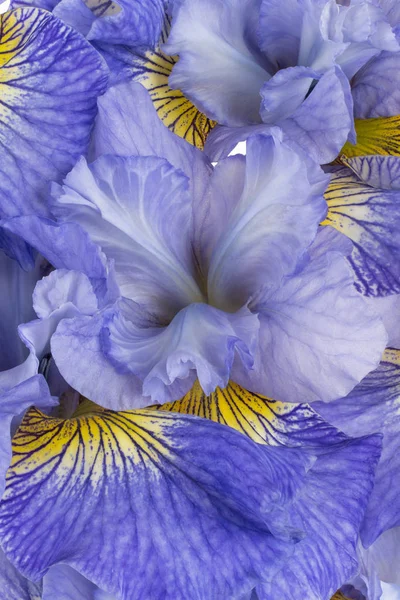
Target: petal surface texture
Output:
[
  {"x": 139, "y": 211},
  {"x": 370, "y": 217},
  {"x": 314, "y": 322},
  {"x": 327, "y": 555},
  {"x": 163, "y": 497},
  {"x": 374, "y": 405},
  {"x": 50, "y": 79}
]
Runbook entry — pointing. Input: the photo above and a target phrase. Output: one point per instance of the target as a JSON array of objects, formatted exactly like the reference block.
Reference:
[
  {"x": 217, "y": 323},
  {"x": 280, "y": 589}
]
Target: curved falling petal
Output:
[
  {"x": 163, "y": 497},
  {"x": 50, "y": 78},
  {"x": 326, "y": 557}
]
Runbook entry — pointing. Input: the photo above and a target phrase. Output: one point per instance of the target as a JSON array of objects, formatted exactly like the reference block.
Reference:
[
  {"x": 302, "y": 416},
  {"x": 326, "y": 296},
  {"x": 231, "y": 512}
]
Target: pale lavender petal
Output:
[
  {"x": 321, "y": 335},
  {"x": 201, "y": 342},
  {"x": 77, "y": 351},
  {"x": 268, "y": 228},
  {"x": 139, "y": 211},
  {"x": 220, "y": 68}
]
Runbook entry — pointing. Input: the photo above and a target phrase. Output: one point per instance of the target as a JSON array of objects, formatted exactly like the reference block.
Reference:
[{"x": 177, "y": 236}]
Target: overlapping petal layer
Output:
[
  {"x": 162, "y": 496},
  {"x": 374, "y": 405},
  {"x": 16, "y": 587},
  {"x": 139, "y": 211},
  {"x": 50, "y": 79},
  {"x": 371, "y": 219},
  {"x": 152, "y": 69},
  {"x": 315, "y": 322},
  {"x": 327, "y": 555}
]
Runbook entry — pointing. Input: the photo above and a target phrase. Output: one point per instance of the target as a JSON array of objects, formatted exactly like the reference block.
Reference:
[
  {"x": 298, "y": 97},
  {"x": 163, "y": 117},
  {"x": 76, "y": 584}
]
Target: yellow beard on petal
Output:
[{"x": 375, "y": 136}]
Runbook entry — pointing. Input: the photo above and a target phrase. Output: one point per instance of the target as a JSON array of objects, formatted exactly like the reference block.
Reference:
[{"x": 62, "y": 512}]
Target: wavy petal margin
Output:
[{"x": 148, "y": 504}]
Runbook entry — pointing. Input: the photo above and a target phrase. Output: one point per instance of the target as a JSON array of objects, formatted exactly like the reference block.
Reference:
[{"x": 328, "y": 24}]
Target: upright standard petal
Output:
[
  {"x": 327, "y": 555},
  {"x": 50, "y": 78},
  {"x": 321, "y": 334},
  {"x": 128, "y": 125},
  {"x": 164, "y": 499},
  {"x": 139, "y": 211},
  {"x": 200, "y": 342},
  {"x": 320, "y": 125},
  {"x": 268, "y": 227},
  {"x": 371, "y": 219},
  {"x": 220, "y": 67},
  {"x": 374, "y": 406},
  {"x": 324, "y": 121}
]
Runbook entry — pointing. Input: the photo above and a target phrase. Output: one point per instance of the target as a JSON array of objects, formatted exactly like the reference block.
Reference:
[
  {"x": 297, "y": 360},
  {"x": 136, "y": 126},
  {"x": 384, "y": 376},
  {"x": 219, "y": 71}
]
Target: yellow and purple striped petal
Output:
[
  {"x": 50, "y": 78},
  {"x": 149, "y": 504},
  {"x": 371, "y": 219},
  {"x": 326, "y": 557}
]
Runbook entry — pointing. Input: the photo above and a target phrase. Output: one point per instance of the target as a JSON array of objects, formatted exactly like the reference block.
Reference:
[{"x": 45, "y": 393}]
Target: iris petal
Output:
[
  {"x": 138, "y": 210},
  {"x": 326, "y": 557},
  {"x": 50, "y": 79},
  {"x": 361, "y": 213},
  {"x": 374, "y": 406},
  {"x": 161, "y": 498},
  {"x": 375, "y": 136},
  {"x": 264, "y": 420},
  {"x": 152, "y": 69},
  {"x": 14, "y": 586}
]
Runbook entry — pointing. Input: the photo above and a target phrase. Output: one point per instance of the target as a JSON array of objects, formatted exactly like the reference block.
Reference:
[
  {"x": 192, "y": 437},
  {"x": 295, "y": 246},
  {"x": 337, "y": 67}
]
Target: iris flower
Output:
[
  {"x": 153, "y": 503},
  {"x": 284, "y": 63},
  {"x": 236, "y": 249}
]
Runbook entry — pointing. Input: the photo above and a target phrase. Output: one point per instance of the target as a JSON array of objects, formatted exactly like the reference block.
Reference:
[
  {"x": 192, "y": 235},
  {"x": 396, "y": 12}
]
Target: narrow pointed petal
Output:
[
  {"x": 50, "y": 80},
  {"x": 163, "y": 496},
  {"x": 361, "y": 213},
  {"x": 373, "y": 406}
]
